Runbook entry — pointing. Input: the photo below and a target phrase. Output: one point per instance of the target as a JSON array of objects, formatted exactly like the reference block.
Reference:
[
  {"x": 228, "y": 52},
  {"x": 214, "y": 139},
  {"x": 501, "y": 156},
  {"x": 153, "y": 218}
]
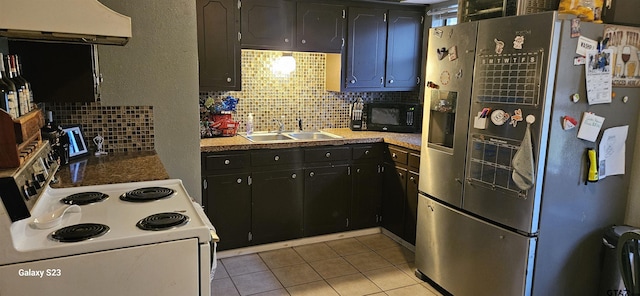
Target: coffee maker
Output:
[{"x": 58, "y": 139}]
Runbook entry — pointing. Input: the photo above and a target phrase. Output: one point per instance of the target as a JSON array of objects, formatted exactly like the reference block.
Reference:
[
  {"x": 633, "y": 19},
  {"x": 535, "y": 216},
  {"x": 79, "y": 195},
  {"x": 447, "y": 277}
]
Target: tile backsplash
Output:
[
  {"x": 124, "y": 128},
  {"x": 300, "y": 95}
]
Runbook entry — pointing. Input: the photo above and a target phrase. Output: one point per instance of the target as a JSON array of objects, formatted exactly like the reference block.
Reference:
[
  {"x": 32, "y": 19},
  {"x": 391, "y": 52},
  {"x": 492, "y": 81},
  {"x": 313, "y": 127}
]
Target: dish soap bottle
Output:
[{"x": 250, "y": 124}]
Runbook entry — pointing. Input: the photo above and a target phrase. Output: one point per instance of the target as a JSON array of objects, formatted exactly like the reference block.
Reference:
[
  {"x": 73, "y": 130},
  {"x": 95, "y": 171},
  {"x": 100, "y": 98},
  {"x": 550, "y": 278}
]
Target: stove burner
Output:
[
  {"x": 162, "y": 221},
  {"x": 79, "y": 232},
  {"x": 147, "y": 194},
  {"x": 84, "y": 198}
]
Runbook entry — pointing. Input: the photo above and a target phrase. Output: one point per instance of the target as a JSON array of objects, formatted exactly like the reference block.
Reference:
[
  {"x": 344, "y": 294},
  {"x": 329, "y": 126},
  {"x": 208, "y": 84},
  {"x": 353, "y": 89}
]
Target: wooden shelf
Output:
[{"x": 19, "y": 137}]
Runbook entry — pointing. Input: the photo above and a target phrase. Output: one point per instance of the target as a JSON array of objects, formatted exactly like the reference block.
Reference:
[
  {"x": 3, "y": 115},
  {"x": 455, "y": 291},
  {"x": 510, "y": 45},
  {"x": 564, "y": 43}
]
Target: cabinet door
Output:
[
  {"x": 218, "y": 44},
  {"x": 327, "y": 192},
  {"x": 404, "y": 49},
  {"x": 367, "y": 196},
  {"x": 276, "y": 206},
  {"x": 366, "y": 48},
  {"x": 229, "y": 208},
  {"x": 411, "y": 210},
  {"x": 393, "y": 199},
  {"x": 268, "y": 24},
  {"x": 320, "y": 27}
]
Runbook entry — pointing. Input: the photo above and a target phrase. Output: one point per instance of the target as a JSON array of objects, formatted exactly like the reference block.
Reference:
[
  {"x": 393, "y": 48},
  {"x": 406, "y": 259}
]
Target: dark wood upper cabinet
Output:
[
  {"x": 59, "y": 72},
  {"x": 320, "y": 27},
  {"x": 366, "y": 48},
  {"x": 404, "y": 49},
  {"x": 218, "y": 23},
  {"x": 268, "y": 24}
]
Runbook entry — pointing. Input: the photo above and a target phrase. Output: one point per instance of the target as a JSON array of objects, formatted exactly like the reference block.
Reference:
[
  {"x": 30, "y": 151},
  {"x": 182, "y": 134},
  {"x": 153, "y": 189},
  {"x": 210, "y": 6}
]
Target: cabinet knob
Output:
[
  {"x": 226, "y": 161},
  {"x": 328, "y": 155},
  {"x": 352, "y": 81},
  {"x": 312, "y": 174},
  {"x": 401, "y": 175},
  {"x": 366, "y": 152},
  {"x": 293, "y": 176},
  {"x": 239, "y": 180},
  {"x": 286, "y": 40},
  {"x": 390, "y": 80},
  {"x": 412, "y": 179},
  {"x": 276, "y": 158},
  {"x": 357, "y": 170},
  {"x": 303, "y": 41},
  {"x": 394, "y": 155},
  {"x": 228, "y": 79}
]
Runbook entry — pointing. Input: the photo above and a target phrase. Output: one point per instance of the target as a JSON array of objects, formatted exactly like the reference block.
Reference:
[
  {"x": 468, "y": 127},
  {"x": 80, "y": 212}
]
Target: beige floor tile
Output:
[
  {"x": 412, "y": 290},
  {"x": 432, "y": 289},
  {"x": 281, "y": 258},
  {"x": 334, "y": 267},
  {"x": 347, "y": 246},
  {"x": 409, "y": 269},
  {"x": 353, "y": 285},
  {"x": 389, "y": 278},
  {"x": 378, "y": 294},
  {"x": 367, "y": 261},
  {"x": 257, "y": 282},
  {"x": 315, "y": 252},
  {"x": 320, "y": 288},
  {"x": 396, "y": 254},
  {"x": 296, "y": 275},
  {"x": 223, "y": 287},
  {"x": 279, "y": 292},
  {"x": 377, "y": 241},
  {"x": 221, "y": 272},
  {"x": 243, "y": 264}
]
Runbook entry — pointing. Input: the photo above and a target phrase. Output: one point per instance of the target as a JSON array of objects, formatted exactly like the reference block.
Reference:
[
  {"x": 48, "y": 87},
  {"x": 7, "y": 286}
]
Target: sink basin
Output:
[
  {"x": 289, "y": 136},
  {"x": 313, "y": 136},
  {"x": 267, "y": 137}
]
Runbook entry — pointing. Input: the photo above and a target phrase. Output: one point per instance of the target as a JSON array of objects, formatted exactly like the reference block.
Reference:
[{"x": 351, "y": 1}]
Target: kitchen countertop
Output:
[
  {"x": 409, "y": 141},
  {"x": 123, "y": 167}
]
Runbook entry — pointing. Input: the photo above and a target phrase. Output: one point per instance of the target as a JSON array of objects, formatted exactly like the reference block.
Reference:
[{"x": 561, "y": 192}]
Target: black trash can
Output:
[{"x": 611, "y": 282}]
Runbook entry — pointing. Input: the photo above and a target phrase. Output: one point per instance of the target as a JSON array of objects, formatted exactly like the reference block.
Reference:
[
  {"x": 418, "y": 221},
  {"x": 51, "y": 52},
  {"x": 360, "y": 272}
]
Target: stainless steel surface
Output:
[
  {"x": 439, "y": 160},
  {"x": 470, "y": 256},
  {"x": 563, "y": 216},
  {"x": 289, "y": 136}
]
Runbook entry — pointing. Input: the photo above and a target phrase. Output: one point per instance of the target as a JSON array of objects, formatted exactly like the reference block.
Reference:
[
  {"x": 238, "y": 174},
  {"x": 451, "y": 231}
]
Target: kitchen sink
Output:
[{"x": 289, "y": 136}]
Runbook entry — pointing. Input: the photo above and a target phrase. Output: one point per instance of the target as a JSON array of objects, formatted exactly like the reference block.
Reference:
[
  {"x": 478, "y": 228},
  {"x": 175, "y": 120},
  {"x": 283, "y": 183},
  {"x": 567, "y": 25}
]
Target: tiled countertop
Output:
[
  {"x": 409, "y": 141},
  {"x": 112, "y": 168}
]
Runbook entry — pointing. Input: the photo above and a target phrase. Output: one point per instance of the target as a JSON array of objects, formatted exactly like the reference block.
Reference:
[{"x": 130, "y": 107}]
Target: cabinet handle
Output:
[
  {"x": 239, "y": 180},
  {"x": 412, "y": 179},
  {"x": 226, "y": 161},
  {"x": 366, "y": 152},
  {"x": 303, "y": 41},
  {"x": 401, "y": 175},
  {"x": 328, "y": 155},
  {"x": 312, "y": 174},
  {"x": 381, "y": 80},
  {"x": 394, "y": 155},
  {"x": 293, "y": 176},
  {"x": 276, "y": 158}
]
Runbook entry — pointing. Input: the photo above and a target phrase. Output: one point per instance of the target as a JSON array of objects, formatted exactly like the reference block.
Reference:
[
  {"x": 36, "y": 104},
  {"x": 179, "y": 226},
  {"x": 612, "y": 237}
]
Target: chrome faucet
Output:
[{"x": 280, "y": 124}]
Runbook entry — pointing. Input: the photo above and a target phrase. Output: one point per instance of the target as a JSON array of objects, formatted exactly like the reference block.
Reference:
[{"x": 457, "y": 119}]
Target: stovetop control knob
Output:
[
  {"x": 29, "y": 191},
  {"x": 40, "y": 177}
]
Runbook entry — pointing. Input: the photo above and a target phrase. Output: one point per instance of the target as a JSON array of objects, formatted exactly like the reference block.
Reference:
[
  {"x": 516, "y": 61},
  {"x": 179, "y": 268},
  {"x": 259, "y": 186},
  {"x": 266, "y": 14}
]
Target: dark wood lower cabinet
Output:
[
  {"x": 276, "y": 206},
  {"x": 411, "y": 211},
  {"x": 327, "y": 193},
  {"x": 229, "y": 208},
  {"x": 366, "y": 201},
  {"x": 392, "y": 199}
]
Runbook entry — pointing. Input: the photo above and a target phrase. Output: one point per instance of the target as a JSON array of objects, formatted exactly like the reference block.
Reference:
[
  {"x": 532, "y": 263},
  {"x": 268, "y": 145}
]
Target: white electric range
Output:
[{"x": 140, "y": 238}]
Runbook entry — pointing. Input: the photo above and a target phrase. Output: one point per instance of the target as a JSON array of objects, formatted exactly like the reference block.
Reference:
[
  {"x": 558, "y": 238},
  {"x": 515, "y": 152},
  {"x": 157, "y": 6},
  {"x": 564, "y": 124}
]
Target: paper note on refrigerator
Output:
[
  {"x": 598, "y": 76},
  {"x": 590, "y": 126},
  {"x": 612, "y": 151}
]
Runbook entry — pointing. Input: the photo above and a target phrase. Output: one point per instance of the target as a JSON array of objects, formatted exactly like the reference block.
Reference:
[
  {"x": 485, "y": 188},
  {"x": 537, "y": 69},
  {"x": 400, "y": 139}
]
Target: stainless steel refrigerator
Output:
[{"x": 503, "y": 211}]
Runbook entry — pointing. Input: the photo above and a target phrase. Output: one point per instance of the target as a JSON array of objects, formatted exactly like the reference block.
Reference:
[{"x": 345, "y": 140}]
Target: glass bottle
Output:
[
  {"x": 8, "y": 90},
  {"x": 21, "y": 86}
]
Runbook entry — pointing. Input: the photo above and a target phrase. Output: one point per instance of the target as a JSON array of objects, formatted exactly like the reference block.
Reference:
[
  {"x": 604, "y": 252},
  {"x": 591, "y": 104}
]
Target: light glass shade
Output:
[{"x": 284, "y": 65}]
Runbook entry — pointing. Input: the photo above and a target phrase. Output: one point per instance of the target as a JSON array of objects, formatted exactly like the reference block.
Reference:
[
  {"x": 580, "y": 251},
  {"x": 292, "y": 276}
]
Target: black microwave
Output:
[{"x": 394, "y": 117}]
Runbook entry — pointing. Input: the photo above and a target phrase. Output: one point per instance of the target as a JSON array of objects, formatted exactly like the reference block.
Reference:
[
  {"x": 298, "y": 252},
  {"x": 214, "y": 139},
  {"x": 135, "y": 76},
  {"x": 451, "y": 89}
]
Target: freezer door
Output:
[
  {"x": 467, "y": 256},
  {"x": 446, "y": 110}
]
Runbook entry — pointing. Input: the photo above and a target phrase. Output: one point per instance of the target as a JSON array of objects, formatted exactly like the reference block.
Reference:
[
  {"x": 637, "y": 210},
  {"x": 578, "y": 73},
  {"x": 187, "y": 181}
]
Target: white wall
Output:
[{"x": 158, "y": 67}]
